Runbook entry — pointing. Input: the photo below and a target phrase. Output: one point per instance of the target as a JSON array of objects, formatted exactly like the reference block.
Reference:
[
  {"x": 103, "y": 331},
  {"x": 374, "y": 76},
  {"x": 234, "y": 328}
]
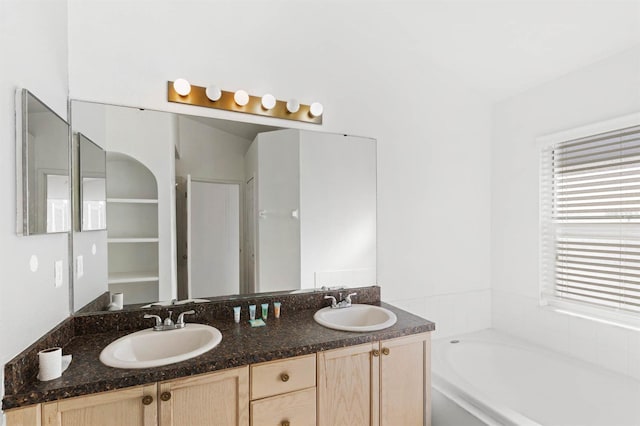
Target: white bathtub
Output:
[{"x": 507, "y": 381}]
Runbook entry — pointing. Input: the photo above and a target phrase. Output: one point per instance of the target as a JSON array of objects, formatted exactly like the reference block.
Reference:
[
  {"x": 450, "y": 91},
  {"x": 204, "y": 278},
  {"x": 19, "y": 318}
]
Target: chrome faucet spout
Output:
[
  {"x": 343, "y": 303},
  {"x": 168, "y": 323}
]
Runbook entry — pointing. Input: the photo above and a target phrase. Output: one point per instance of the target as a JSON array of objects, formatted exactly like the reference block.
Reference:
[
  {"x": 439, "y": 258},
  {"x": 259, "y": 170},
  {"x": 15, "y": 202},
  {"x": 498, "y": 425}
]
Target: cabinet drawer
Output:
[
  {"x": 277, "y": 377},
  {"x": 294, "y": 409}
]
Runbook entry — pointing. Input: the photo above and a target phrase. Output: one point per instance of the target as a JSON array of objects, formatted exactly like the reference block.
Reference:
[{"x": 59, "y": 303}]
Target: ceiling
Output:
[
  {"x": 238, "y": 128},
  {"x": 503, "y": 47}
]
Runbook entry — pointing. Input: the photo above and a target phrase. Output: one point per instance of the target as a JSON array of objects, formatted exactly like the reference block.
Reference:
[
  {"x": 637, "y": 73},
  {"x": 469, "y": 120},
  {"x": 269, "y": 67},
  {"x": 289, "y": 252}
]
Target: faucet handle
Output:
[
  {"x": 180, "y": 320},
  {"x": 156, "y": 317},
  {"x": 348, "y": 298},
  {"x": 334, "y": 302},
  {"x": 168, "y": 320}
]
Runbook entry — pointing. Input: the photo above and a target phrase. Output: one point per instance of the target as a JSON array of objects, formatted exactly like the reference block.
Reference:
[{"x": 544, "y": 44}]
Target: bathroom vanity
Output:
[{"x": 291, "y": 372}]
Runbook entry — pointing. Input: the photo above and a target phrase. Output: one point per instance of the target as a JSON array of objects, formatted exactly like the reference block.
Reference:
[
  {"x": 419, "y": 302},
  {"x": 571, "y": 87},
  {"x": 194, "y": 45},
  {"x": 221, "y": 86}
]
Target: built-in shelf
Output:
[
  {"x": 132, "y": 200},
  {"x": 132, "y": 277},
  {"x": 132, "y": 229},
  {"x": 131, "y": 240}
]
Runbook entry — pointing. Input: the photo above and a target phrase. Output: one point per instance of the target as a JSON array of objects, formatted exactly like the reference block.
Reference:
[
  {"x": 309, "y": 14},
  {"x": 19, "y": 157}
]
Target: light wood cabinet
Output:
[
  {"x": 383, "y": 383},
  {"x": 218, "y": 398},
  {"x": 26, "y": 416},
  {"x": 294, "y": 408},
  {"x": 132, "y": 406},
  {"x": 379, "y": 384},
  {"x": 283, "y": 392},
  {"x": 282, "y": 376}
]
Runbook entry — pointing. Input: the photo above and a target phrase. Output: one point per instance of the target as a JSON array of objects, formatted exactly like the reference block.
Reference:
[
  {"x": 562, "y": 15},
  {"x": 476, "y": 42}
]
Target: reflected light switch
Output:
[
  {"x": 58, "y": 273},
  {"x": 79, "y": 266}
]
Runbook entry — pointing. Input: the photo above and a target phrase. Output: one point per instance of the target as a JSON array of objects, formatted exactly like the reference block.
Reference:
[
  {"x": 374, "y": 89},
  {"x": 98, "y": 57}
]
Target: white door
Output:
[{"x": 213, "y": 257}]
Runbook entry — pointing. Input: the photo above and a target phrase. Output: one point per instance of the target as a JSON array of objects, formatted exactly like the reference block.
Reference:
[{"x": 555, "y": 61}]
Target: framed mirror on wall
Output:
[
  {"x": 43, "y": 168},
  {"x": 229, "y": 208}
]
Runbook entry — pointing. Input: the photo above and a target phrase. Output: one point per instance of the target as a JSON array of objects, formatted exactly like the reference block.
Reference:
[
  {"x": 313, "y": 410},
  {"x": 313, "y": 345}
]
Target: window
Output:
[{"x": 590, "y": 220}]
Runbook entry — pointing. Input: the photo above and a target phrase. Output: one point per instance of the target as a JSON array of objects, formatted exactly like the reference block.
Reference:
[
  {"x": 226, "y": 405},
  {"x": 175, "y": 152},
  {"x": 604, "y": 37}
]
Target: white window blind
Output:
[{"x": 590, "y": 221}]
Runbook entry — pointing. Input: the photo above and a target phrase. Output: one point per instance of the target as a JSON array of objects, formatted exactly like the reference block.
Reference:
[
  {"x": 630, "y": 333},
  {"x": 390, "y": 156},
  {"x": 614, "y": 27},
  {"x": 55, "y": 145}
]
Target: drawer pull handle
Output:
[
  {"x": 376, "y": 352},
  {"x": 385, "y": 351},
  {"x": 284, "y": 377},
  {"x": 147, "y": 399},
  {"x": 165, "y": 396},
  {"x": 285, "y": 423}
]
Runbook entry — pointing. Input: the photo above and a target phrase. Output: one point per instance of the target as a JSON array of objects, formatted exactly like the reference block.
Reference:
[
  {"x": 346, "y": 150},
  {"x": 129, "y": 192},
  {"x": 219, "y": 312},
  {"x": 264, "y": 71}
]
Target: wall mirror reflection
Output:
[
  {"x": 202, "y": 207},
  {"x": 93, "y": 185},
  {"x": 44, "y": 189}
]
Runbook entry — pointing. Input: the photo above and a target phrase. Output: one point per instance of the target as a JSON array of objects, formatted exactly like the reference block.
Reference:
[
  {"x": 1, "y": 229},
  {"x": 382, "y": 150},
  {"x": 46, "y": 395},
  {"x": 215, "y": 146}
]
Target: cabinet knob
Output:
[
  {"x": 147, "y": 399},
  {"x": 385, "y": 351},
  {"x": 165, "y": 396},
  {"x": 376, "y": 352},
  {"x": 285, "y": 423},
  {"x": 284, "y": 377}
]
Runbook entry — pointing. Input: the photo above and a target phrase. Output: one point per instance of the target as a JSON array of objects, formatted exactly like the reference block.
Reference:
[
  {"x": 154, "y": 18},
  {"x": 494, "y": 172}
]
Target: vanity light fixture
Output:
[
  {"x": 213, "y": 93},
  {"x": 180, "y": 91},
  {"x": 316, "y": 109},
  {"x": 293, "y": 106},
  {"x": 241, "y": 97},
  {"x": 268, "y": 101},
  {"x": 182, "y": 87}
]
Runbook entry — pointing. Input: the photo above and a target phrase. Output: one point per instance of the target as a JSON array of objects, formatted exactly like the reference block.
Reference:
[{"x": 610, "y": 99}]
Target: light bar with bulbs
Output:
[{"x": 182, "y": 92}]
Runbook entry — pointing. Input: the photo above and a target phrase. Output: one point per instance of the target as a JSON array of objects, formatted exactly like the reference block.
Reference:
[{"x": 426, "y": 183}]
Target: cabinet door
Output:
[
  {"x": 220, "y": 399},
  {"x": 348, "y": 381},
  {"x": 26, "y": 416},
  {"x": 134, "y": 406},
  {"x": 405, "y": 385}
]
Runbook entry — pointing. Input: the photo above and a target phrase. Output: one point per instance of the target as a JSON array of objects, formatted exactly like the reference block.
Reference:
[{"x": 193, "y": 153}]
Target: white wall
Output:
[
  {"x": 337, "y": 210},
  {"x": 602, "y": 91},
  {"x": 432, "y": 236},
  {"x": 33, "y": 42},
  {"x": 278, "y": 193},
  {"x": 90, "y": 120},
  {"x": 149, "y": 137},
  {"x": 209, "y": 153}
]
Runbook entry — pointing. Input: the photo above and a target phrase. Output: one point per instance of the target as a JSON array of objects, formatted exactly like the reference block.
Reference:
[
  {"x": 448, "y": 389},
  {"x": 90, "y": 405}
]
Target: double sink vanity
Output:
[
  {"x": 293, "y": 371},
  {"x": 139, "y": 194}
]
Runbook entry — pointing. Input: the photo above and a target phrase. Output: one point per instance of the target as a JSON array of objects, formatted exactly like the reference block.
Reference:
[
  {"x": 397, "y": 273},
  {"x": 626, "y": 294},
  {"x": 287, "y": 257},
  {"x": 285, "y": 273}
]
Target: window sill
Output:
[{"x": 616, "y": 319}]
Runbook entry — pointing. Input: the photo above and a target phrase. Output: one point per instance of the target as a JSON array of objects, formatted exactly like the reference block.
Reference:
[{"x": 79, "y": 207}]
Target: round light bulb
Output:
[
  {"x": 213, "y": 93},
  {"x": 241, "y": 97},
  {"x": 182, "y": 87},
  {"x": 268, "y": 101},
  {"x": 293, "y": 106},
  {"x": 316, "y": 109}
]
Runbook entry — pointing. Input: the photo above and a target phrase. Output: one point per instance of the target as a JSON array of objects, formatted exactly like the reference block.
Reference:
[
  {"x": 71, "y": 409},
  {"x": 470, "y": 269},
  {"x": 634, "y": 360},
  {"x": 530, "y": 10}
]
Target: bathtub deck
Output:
[{"x": 514, "y": 382}]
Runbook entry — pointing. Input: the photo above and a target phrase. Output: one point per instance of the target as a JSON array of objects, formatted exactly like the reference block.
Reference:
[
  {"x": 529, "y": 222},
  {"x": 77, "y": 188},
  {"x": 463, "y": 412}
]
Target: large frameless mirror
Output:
[
  {"x": 201, "y": 207},
  {"x": 43, "y": 169}
]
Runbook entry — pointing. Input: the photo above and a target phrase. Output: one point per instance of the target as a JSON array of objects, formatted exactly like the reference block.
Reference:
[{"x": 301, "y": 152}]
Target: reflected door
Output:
[{"x": 213, "y": 223}]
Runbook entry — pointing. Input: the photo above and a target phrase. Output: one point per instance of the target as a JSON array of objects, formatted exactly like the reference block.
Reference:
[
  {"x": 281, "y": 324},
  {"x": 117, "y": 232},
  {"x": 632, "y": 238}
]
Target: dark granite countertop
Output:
[{"x": 295, "y": 333}]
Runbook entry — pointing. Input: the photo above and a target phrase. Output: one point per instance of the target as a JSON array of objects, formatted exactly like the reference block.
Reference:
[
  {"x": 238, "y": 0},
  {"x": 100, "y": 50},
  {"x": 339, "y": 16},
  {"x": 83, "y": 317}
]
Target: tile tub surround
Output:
[{"x": 295, "y": 333}]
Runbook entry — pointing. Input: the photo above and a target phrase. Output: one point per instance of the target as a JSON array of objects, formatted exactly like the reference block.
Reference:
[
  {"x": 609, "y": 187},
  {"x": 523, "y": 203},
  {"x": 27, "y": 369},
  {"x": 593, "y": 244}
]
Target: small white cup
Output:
[{"x": 118, "y": 299}]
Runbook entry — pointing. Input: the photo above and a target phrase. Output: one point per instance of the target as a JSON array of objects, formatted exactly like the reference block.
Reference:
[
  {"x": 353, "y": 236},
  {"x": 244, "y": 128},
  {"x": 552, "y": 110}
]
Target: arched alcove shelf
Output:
[{"x": 132, "y": 229}]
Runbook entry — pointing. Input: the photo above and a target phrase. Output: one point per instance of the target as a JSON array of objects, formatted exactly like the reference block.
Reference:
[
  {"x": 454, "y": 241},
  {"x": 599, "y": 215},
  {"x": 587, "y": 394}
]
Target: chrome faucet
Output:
[
  {"x": 168, "y": 323},
  {"x": 344, "y": 303}
]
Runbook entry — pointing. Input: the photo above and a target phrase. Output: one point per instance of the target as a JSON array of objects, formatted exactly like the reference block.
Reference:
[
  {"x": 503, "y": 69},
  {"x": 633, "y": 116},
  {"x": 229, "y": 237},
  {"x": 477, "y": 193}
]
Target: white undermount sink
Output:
[
  {"x": 357, "y": 317},
  {"x": 148, "y": 348}
]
